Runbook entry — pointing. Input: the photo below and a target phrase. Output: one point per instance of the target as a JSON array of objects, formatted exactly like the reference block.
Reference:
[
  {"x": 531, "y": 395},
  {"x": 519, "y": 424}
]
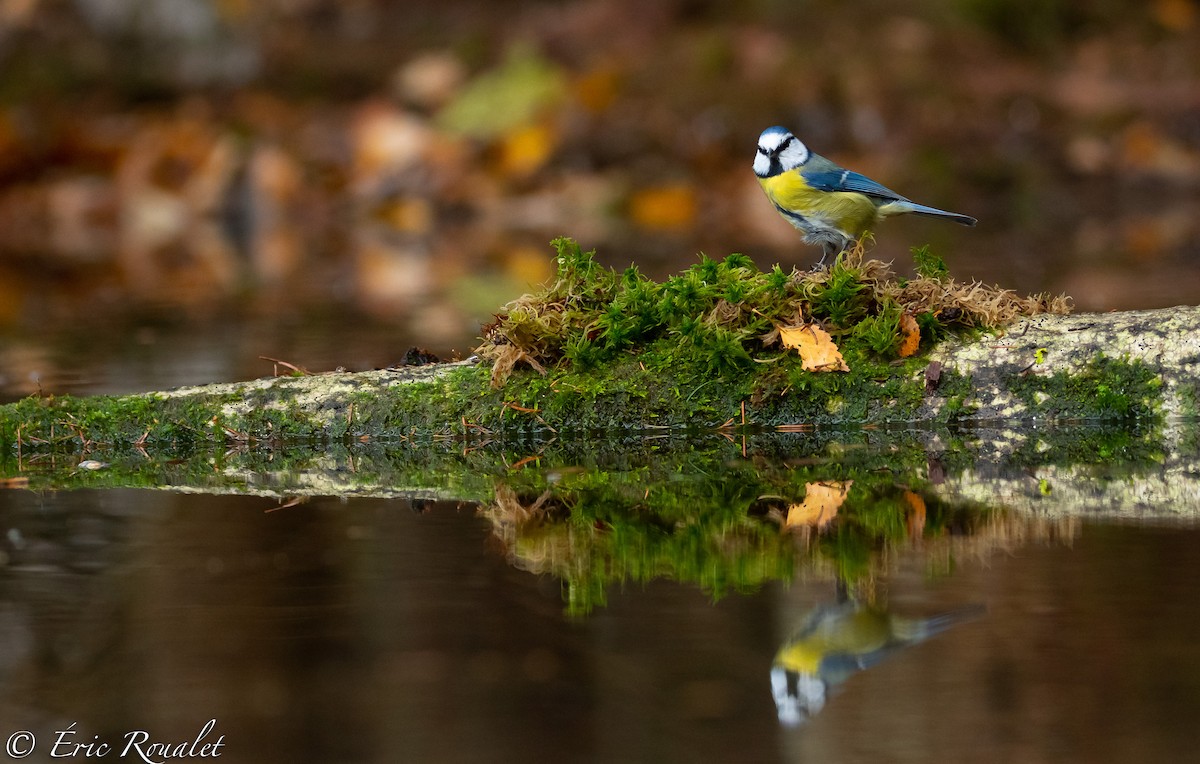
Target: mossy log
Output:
[{"x": 1140, "y": 367}]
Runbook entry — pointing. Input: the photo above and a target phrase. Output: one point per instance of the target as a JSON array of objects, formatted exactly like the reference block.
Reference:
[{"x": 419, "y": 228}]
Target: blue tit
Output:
[
  {"x": 832, "y": 206},
  {"x": 836, "y": 641}
]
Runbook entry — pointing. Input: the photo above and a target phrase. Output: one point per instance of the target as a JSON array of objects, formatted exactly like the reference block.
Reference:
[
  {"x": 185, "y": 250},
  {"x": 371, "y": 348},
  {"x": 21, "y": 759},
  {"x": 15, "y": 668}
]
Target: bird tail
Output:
[
  {"x": 905, "y": 206},
  {"x": 920, "y": 629}
]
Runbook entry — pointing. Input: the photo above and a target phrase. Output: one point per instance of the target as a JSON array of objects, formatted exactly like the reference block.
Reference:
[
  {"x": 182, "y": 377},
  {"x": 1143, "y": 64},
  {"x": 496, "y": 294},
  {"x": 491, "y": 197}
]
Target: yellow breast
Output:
[
  {"x": 847, "y": 211},
  {"x": 853, "y": 634}
]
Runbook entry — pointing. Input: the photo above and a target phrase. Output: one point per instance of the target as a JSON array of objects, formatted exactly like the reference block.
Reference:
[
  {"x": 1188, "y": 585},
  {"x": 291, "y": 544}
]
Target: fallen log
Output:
[
  {"x": 1136, "y": 366},
  {"x": 714, "y": 348}
]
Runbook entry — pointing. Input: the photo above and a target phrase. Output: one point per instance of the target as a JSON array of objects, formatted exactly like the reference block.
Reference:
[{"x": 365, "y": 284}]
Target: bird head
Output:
[
  {"x": 799, "y": 696},
  {"x": 778, "y": 151}
]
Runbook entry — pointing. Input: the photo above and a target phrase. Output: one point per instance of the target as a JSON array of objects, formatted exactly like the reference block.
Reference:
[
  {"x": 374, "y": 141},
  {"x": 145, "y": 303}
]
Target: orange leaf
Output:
[
  {"x": 410, "y": 215},
  {"x": 912, "y": 335},
  {"x": 669, "y": 207},
  {"x": 597, "y": 89},
  {"x": 914, "y": 520},
  {"x": 820, "y": 505},
  {"x": 1175, "y": 15},
  {"x": 817, "y": 350},
  {"x": 526, "y": 149}
]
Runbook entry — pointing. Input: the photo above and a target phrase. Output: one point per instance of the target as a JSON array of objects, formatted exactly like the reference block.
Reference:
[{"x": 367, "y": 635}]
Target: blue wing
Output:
[{"x": 845, "y": 180}]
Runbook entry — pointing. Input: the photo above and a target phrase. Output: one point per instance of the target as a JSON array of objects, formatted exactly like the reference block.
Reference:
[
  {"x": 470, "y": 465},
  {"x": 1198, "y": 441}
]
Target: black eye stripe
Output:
[{"x": 772, "y": 152}]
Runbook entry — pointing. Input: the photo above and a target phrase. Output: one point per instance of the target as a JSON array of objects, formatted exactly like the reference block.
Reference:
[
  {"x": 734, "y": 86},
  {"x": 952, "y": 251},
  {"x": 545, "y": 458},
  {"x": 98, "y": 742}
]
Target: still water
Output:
[{"x": 380, "y": 630}]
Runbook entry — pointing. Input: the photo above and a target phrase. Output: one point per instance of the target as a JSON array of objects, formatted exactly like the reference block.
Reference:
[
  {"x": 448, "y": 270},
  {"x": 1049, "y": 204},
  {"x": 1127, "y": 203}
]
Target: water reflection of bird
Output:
[
  {"x": 839, "y": 639},
  {"x": 834, "y": 207}
]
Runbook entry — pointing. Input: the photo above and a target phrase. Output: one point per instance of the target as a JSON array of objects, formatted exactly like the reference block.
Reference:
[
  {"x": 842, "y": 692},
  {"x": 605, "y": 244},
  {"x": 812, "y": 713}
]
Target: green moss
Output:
[
  {"x": 66, "y": 420},
  {"x": 928, "y": 264},
  {"x": 956, "y": 390},
  {"x": 1106, "y": 389},
  {"x": 843, "y": 298},
  {"x": 1189, "y": 390},
  {"x": 609, "y": 342},
  {"x": 880, "y": 333},
  {"x": 430, "y": 408},
  {"x": 724, "y": 312},
  {"x": 711, "y": 332}
]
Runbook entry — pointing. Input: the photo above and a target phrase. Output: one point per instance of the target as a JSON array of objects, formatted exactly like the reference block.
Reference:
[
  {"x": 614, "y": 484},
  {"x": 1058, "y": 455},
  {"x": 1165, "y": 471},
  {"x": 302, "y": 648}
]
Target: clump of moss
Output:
[{"x": 728, "y": 312}]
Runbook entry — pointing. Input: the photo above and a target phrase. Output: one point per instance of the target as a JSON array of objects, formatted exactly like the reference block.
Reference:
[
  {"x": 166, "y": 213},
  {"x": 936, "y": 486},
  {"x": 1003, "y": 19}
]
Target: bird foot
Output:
[{"x": 822, "y": 265}]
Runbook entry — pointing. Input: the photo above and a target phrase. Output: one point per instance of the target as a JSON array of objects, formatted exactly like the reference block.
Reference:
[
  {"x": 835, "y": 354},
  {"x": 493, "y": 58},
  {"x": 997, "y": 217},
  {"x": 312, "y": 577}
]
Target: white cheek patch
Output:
[
  {"x": 793, "y": 155},
  {"x": 762, "y": 164}
]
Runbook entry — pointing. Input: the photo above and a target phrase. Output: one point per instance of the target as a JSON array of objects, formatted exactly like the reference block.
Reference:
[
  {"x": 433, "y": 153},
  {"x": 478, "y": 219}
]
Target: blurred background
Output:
[{"x": 188, "y": 185}]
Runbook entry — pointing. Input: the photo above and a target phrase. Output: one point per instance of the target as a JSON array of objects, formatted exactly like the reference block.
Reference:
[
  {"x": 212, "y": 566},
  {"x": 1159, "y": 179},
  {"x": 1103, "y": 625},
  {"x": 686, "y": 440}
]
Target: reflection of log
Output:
[
  {"x": 1050, "y": 472},
  {"x": 1160, "y": 484},
  {"x": 1135, "y": 366}
]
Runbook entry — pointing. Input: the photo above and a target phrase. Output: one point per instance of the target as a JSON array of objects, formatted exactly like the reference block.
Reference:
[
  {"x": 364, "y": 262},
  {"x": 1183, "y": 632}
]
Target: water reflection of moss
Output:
[
  {"x": 1121, "y": 448},
  {"x": 882, "y": 518},
  {"x": 719, "y": 548},
  {"x": 726, "y": 529}
]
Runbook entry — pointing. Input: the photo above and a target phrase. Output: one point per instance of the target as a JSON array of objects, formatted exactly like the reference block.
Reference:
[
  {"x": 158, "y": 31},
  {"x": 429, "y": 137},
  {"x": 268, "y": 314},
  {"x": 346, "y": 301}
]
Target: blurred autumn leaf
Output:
[
  {"x": 668, "y": 207},
  {"x": 529, "y": 265},
  {"x": 431, "y": 79},
  {"x": 526, "y": 148},
  {"x": 1176, "y": 15},
  {"x": 409, "y": 215},
  {"x": 506, "y": 98},
  {"x": 598, "y": 88},
  {"x": 385, "y": 141}
]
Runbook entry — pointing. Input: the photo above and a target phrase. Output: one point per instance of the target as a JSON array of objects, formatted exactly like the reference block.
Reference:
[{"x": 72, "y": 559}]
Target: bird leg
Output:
[
  {"x": 841, "y": 590},
  {"x": 827, "y": 249}
]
